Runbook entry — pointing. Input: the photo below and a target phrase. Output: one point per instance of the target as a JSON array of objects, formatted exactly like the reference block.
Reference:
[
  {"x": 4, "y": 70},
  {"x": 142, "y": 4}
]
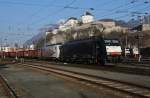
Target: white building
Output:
[
  {"x": 71, "y": 22},
  {"x": 87, "y": 17}
]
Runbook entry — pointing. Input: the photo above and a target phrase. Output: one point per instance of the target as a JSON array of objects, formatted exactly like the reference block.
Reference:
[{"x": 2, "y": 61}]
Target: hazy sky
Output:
[{"x": 21, "y": 19}]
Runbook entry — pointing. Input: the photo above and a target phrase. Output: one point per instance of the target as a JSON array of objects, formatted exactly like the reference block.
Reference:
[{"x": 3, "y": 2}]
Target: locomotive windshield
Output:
[{"x": 112, "y": 42}]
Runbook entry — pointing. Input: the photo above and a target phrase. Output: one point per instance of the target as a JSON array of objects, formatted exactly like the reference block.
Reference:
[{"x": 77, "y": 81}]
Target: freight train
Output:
[
  {"x": 22, "y": 54},
  {"x": 95, "y": 50}
]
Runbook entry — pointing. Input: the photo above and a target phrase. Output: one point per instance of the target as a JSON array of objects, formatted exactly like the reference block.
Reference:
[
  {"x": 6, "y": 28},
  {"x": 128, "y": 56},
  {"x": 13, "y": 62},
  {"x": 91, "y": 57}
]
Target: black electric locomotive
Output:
[
  {"x": 91, "y": 51},
  {"x": 145, "y": 52}
]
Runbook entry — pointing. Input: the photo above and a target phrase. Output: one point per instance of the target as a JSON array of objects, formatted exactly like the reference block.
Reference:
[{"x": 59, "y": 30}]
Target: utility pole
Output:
[
  {"x": 126, "y": 38},
  {"x": 1, "y": 50},
  {"x": 45, "y": 41},
  {"x": 1, "y": 44},
  {"x": 126, "y": 44},
  {"x": 139, "y": 37}
]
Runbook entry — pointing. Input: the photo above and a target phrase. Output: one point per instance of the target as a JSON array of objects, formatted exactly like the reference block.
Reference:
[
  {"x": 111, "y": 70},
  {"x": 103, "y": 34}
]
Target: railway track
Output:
[
  {"x": 9, "y": 92},
  {"x": 119, "y": 67},
  {"x": 127, "y": 88},
  {"x": 135, "y": 61}
]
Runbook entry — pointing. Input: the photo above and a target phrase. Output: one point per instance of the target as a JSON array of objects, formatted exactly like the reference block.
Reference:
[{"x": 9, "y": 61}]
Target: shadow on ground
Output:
[{"x": 2, "y": 66}]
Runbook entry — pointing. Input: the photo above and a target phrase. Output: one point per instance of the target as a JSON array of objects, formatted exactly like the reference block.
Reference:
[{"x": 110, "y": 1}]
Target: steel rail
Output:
[
  {"x": 10, "y": 93},
  {"x": 129, "y": 83},
  {"x": 131, "y": 89}
]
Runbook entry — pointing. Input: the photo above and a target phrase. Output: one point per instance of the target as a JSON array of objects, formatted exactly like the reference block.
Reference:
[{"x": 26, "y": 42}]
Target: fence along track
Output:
[
  {"x": 131, "y": 89},
  {"x": 9, "y": 92}
]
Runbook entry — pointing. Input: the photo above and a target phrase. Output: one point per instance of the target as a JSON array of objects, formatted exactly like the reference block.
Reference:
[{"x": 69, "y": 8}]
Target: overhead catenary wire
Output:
[
  {"x": 71, "y": 7},
  {"x": 42, "y": 5},
  {"x": 124, "y": 10},
  {"x": 37, "y": 11},
  {"x": 133, "y": 12},
  {"x": 63, "y": 7},
  {"x": 30, "y": 4},
  {"x": 34, "y": 14},
  {"x": 91, "y": 8},
  {"x": 57, "y": 12},
  {"x": 68, "y": 7},
  {"x": 113, "y": 11}
]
